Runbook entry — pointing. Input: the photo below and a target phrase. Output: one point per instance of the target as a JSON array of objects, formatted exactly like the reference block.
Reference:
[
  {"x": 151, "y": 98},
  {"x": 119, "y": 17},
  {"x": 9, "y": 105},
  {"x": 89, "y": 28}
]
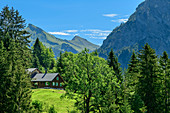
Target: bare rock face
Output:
[{"x": 150, "y": 23}]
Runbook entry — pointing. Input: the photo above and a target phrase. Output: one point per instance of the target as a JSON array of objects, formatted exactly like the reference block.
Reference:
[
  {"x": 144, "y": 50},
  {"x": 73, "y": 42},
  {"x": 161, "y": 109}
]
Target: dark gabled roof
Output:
[
  {"x": 29, "y": 70},
  {"x": 45, "y": 77}
]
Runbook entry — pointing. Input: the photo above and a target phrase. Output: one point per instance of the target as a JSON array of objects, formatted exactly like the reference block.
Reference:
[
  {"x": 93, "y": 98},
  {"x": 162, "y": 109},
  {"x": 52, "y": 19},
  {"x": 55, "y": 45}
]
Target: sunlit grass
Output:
[{"x": 52, "y": 97}]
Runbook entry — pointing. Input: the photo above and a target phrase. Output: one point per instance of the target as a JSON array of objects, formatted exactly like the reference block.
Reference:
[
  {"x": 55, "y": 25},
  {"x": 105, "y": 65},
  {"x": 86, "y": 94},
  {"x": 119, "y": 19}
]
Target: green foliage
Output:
[
  {"x": 148, "y": 87},
  {"x": 113, "y": 62},
  {"x": 50, "y": 97},
  {"x": 60, "y": 65},
  {"x": 15, "y": 93},
  {"x": 52, "y": 109},
  {"x": 165, "y": 82},
  {"x": 42, "y": 56},
  {"x": 89, "y": 76},
  {"x": 37, "y": 106},
  {"x": 133, "y": 73}
]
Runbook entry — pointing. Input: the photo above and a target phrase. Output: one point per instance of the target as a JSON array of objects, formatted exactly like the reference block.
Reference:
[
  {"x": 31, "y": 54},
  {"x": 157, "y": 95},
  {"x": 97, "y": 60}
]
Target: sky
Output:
[{"x": 90, "y": 19}]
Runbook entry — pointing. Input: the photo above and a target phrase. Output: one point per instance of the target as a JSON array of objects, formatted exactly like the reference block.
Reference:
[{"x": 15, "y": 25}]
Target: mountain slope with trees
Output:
[
  {"x": 150, "y": 24},
  {"x": 77, "y": 44}
]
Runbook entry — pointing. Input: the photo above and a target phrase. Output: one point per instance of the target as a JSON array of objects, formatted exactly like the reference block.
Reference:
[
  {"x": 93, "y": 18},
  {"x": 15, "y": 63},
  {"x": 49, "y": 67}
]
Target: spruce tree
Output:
[
  {"x": 60, "y": 65},
  {"x": 113, "y": 62},
  {"x": 133, "y": 72},
  {"x": 53, "y": 60},
  {"x": 37, "y": 53},
  {"x": 148, "y": 87},
  {"x": 165, "y": 82},
  {"x": 15, "y": 83},
  {"x": 43, "y": 56},
  {"x": 133, "y": 67}
]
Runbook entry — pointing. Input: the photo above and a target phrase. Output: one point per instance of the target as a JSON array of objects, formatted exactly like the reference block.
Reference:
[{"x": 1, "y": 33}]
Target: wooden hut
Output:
[{"x": 47, "y": 80}]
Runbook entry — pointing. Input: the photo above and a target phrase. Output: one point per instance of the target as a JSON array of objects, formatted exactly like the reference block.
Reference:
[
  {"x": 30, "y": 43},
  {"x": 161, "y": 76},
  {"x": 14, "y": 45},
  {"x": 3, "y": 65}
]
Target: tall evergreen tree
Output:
[
  {"x": 53, "y": 60},
  {"x": 115, "y": 65},
  {"x": 133, "y": 72},
  {"x": 133, "y": 67},
  {"x": 14, "y": 82},
  {"x": 60, "y": 64},
  {"x": 37, "y": 53},
  {"x": 43, "y": 56},
  {"x": 13, "y": 24},
  {"x": 113, "y": 62},
  {"x": 165, "y": 72},
  {"x": 148, "y": 87}
]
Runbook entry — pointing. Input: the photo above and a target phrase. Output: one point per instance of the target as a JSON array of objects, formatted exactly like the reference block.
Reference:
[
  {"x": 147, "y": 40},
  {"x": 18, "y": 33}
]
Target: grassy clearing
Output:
[{"x": 52, "y": 97}]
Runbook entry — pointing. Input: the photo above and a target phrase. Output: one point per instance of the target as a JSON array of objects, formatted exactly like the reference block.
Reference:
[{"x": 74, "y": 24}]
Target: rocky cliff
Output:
[{"x": 150, "y": 23}]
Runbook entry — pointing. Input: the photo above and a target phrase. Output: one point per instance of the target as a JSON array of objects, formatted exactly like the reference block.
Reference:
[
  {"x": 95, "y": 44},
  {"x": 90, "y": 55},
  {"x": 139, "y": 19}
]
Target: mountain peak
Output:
[
  {"x": 150, "y": 23},
  {"x": 77, "y": 44},
  {"x": 77, "y": 38}
]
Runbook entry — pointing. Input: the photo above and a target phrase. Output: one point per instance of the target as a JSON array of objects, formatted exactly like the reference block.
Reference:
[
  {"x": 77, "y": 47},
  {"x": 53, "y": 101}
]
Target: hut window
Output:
[
  {"x": 36, "y": 83},
  {"x": 57, "y": 78},
  {"x": 47, "y": 83},
  {"x": 60, "y": 84},
  {"x": 56, "y": 83},
  {"x": 53, "y": 83}
]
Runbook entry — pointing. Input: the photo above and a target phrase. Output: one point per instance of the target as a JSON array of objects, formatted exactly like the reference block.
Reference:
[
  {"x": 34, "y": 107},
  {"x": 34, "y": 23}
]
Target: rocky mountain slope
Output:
[
  {"x": 150, "y": 23},
  {"x": 77, "y": 44}
]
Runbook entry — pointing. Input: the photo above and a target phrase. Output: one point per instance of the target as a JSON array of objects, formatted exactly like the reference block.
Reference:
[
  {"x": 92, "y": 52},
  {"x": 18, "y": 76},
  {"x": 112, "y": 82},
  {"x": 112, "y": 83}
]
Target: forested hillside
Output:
[{"x": 77, "y": 44}]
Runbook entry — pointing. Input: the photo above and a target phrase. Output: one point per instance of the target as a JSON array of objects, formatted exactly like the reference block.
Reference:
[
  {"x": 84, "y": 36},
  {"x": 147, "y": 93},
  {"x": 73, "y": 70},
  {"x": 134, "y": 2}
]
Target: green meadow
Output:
[{"x": 51, "y": 97}]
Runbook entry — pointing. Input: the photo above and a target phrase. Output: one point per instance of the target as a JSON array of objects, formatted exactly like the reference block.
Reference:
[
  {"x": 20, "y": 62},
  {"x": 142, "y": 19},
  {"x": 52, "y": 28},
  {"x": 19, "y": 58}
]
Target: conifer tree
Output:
[
  {"x": 14, "y": 83},
  {"x": 133, "y": 72},
  {"x": 37, "y": 53},
  {"x": 133, "y": 67},
  {"x": 43, "y": 56},
  {"x": 125, "y": 94},
  {"x": 113, "y": 62},
  {"x": 165, "y": 85},
  {"x": 148, "y": 87},
  {"x": 13, "y": 24},
  {"x": 53, "y": 60},
  {"x": 60, "y": 65}
]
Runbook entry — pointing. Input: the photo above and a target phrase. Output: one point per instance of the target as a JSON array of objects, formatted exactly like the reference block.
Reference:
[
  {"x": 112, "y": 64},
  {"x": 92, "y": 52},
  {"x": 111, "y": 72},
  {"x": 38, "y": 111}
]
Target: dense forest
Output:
[{"x": 96, "y": 84}]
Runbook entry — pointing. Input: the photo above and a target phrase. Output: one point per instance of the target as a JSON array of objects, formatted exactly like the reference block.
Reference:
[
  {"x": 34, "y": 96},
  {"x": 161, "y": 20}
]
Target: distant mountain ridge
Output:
[
  {"x": 77, "y": 44},
  {"x": 150, "y": 23}
]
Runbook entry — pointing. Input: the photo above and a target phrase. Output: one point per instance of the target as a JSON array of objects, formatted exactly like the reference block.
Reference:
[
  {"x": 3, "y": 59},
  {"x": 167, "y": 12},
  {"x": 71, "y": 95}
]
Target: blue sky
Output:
[{"x": 89, "y": 19}]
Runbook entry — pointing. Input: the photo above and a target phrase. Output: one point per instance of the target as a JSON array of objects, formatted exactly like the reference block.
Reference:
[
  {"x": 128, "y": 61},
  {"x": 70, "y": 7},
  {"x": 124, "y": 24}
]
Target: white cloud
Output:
[
  {"x": 58, "y": 33},
  {"x": 98, "y": 37},
  {"x": 96, "y": 31},
  {"x": 110, "y": 15},
  {"x": 91, "y": 30},
  {"x": 120, "y": 20},
  {"x": 76, "y": 34},
  {"x": 71, "y": 31},
  {"x": 102, "y": 34}
]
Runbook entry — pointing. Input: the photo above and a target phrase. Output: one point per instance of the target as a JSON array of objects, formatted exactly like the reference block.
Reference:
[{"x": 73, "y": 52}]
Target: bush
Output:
[
  {"x": 37, "y": 105},
  {"x": 52, "y": 109}
]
